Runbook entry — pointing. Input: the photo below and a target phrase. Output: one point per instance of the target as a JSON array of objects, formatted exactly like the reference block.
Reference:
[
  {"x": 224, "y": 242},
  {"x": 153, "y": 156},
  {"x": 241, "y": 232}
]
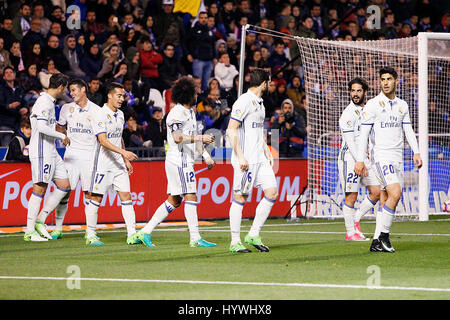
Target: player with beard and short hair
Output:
[
  {"x": 252, "y": 162},
  {"x": 350, "y": 127}
]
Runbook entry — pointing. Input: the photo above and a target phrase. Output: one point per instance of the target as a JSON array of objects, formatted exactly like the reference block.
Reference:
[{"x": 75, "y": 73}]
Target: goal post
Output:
[
  {"x": 424, "y": 188},
  {"x": 423, "y": 65}
]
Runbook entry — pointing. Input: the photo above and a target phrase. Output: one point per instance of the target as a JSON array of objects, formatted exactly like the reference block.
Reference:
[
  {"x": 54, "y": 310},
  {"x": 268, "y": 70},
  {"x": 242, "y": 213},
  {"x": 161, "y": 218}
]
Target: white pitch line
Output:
[{"x": 294, "y": 284}]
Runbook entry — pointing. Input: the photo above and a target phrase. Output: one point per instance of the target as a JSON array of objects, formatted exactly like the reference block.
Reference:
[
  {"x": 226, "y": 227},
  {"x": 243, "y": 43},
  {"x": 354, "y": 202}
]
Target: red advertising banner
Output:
[{"x": 148, "y": 187}]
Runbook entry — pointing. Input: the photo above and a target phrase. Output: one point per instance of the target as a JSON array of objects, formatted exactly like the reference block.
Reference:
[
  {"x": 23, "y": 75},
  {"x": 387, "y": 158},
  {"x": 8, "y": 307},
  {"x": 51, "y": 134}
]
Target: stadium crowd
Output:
[{"x": 146, "y": 46}]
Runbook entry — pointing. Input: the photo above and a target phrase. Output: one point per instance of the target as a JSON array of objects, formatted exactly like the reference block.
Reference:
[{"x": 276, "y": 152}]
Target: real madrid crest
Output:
[
  {"x": 357, "y": 112},
  {"x": 72, "y": 109},
  {"x": 400, "y": 109},
  {"x": 382, "y": 104},
  {"x": 108, "y": 116}
]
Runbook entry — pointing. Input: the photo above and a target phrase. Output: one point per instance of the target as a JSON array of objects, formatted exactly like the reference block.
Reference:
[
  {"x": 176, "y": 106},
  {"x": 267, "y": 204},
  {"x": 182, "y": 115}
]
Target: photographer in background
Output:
[{"x": 292, "y": 129}]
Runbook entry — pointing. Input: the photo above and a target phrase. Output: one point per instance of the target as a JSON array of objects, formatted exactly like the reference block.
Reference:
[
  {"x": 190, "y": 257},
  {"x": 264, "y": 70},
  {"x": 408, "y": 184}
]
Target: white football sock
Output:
[
  {"x": 34, "y": 204},
  {"x": 129, "y": 216},
  {"x": 387, "y": 218},
  {"x": 190, "y": 212},
  {"x": 91, "y": 211},
  {"x": 160, "y": 214},
  {"x": 348, "y": 213},
  {"x": 53, "y": 200},
  {"x": 60, "y": 212},
  {"x": 262, "y": 212},
  {"x": 378, "y": 223},
  {"x": 364, "y": 207},
  {"x": 235, "y": 221}
]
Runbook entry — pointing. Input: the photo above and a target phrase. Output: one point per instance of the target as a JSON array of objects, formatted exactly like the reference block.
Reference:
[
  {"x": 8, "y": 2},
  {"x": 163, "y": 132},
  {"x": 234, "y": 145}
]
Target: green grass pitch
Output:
[{"x": 307, "y": 260}]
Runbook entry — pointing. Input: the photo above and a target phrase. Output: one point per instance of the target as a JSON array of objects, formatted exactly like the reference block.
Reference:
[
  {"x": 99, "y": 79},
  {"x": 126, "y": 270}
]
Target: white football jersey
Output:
[
  {"x": 111, "y": 123},
  {"x": 387, "y": 118},
  {"x": 42, "y": 145},
  {"x": 250, "y": 112},
  {"x": 350, "y": 122},
  {"x": 79, "y": 128},
  {"x": 184, "y": 120}
]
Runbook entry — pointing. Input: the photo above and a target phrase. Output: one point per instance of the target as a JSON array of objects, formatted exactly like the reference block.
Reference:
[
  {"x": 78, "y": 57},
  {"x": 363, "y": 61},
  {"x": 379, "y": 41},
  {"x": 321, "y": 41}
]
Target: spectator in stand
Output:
[
  {"x": 34, "y": 56},
  {"x": 233, "y": 49},
  {"x": 201, "y": 49},
  {"x": 132, "y": 61},
  {"x": 46, "y": 72},
  {"x": 29, "y": 81},
  {"x": 53, "y": 52},
  {"x": 424, "y": 23},
  {"x": 91, "y": 25},
  {"x": 295, "y": 92},
  {"x": 388, "y": 28},
  {"x": 92, "y": 62},
  {"x": 130, "y": 38},
  {"x": 33, "y": 35},
  {"x": 316, "y": 16},
  {"x": 292, "y": 129},
  {"x": 278, "y": 57},
  {"x": 271, "y": 99},
  {"x": 16, "y": 56},
  {"x": 113, "y": 26},
  {"x": 156, "y": 130},
  {"x": 121, "y": 73},
  {"x": 171, "y": 68},
  {"x": 6, "y": 33},
  {"x": 149, "y": 63},
  {"x": 39, "y": 12},
  {"x": 208, "y": 115},
  {"x": 70, "y": 53},
  {"x": 228, "y": 16},
  {"x": 4, "y": 55},
  {"x": 225, "y": 72},
  {"x": 11, "y": 104},
  {"x": 405, "y": 31},
  {"x": 112, "y": 57},
  {"x": 168, "y": 28},
  {"x": 132, "y": 133},
  {"x": 256, "y": 61},
  {"x": 18, "y": 147},
  {"x": 147, "y": 31},
  {"x": 21, "y": 23},
  {"x": 93, "y": 93},
  {"x": 56, "y": 30}
]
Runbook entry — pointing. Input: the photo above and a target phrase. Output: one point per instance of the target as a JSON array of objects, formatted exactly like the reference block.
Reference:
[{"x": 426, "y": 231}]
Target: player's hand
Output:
[
  {"x": 66, "y": 141},
  {"x": 207, "y": 139},
  {"x": 210, "y": 162},
  {"x": 243, "y": 164},
  {"x": 270, "y": 157},
  {"x": 129, "y": 167},
  {"x": 130, "y": 156},
  {"x": 360, "y": 169},
  {"x": 417, "y": 161}
]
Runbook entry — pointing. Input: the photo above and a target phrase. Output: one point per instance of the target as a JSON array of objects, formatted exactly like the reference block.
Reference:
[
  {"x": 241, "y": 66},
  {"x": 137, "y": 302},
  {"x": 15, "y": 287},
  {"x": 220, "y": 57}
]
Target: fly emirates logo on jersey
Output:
[{"x": 392, "y": 123}]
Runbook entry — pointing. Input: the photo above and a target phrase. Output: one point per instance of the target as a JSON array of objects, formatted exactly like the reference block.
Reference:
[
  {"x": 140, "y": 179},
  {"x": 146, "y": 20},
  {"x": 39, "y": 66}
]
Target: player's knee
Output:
[
  {"x": 175, "y": 201},
  {"x": 272, "y": 194},
  {"x": 395, "y": 194},
  {"x": 239, "y": 198}
]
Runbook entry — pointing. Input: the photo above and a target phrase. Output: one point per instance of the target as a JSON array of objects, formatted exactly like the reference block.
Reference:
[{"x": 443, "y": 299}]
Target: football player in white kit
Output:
[
  {"x": 350, "y": 127},
  {"x": 75, "y": 121},
  {"x": 252, "y": 162},
  {"x": 388, "y": 116},
  {"x": 46, "y": 164},
  {"x": 111, "y": 165},
  {"x": 183, "y": 141}
]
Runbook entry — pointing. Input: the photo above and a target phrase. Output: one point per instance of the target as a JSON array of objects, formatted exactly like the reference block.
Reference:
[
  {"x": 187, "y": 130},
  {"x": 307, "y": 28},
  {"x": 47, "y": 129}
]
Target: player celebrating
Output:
[
  {"x": 110, "y": 165},
  {"x": 75, "y": 121},
  {"x": 252, "y": 161},
  {"x": 388, "y": 116},
  {"x": 46, "y": 164},
  {"x": 350, "y": 126},
  {"x": 183, "y": 140}
]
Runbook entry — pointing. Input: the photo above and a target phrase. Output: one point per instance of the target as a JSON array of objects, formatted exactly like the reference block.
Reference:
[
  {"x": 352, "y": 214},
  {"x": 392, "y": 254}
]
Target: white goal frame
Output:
[
  {"x": 422, "y": 68},
  {"x": 423, "y": 134}
]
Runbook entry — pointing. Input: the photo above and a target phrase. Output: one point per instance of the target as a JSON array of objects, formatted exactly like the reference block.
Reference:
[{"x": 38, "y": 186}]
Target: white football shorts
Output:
[
  {"x": 180, "y": 180},
  {"x": 389, "y": 172},
  {"x": 350, "y": 181},
  {"x": 258, "y": 175},
  {"x": 47, "y": 169},
  {"x": 78, "y": 169},
  {"x": 102, "y": 181}
]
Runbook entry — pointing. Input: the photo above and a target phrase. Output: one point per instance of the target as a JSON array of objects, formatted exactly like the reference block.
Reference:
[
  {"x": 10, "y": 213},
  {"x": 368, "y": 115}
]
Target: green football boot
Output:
[{"x": 256, "y": 242}]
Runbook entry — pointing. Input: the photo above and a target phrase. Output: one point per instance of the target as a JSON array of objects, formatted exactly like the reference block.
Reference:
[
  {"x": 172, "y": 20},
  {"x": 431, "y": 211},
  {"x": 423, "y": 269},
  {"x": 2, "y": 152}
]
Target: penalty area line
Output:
[{"x": 235, "y": 283}]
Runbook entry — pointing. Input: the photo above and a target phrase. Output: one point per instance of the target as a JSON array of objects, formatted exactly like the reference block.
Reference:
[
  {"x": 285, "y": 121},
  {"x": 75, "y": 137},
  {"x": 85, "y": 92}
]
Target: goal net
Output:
[{"x": 328, "y": 66}]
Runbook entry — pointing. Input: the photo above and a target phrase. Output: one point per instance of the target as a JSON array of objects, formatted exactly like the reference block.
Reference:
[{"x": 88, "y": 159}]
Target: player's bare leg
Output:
[{"x": 262, "y": 213}]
